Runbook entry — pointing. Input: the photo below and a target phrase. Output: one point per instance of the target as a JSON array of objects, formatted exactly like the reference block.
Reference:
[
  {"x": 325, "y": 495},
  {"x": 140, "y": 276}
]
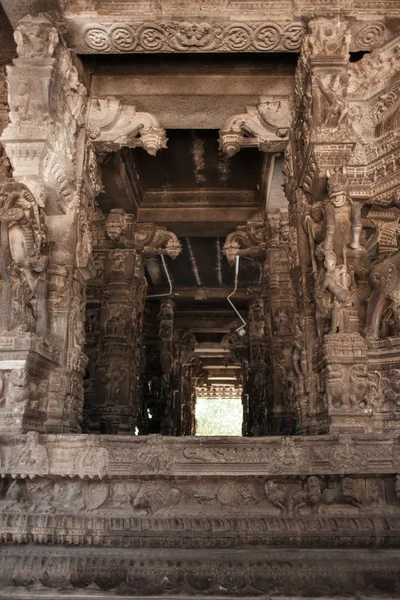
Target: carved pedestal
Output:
[
  {"x": 348, "y": 392},
  {"x": 26, "y": 365}
]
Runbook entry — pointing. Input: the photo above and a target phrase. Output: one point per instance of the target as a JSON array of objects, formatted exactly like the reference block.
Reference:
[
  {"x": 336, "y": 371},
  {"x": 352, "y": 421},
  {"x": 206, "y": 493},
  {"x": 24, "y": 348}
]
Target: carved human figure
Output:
[
  {"x": 117, "y": 258},
  {"x": 335, "y": 95},
  {"x": 22, "y": 105},
  {"x": 336, "y": 280},
  {"x": 310, "y": 496},
  {"x": 23, "y": 237},
  {"x": 113, "y": 379}
]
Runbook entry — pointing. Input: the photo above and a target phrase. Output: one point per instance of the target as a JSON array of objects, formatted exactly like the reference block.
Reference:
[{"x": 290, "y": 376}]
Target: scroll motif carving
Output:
[{"x": 184, "y": 36}]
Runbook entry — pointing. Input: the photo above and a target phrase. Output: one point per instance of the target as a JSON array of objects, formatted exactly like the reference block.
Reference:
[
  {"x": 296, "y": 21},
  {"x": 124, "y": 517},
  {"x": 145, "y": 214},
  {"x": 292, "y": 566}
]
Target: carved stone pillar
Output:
[
  {"x": 186, "y": 372},
  {"x": 344, "y": 276},
  {"x": 166, "y": 317},
  {"x": 268, "y": 394},
  {"x": 258, "y": 380},
  {"x": 46, "y": 212},
  {"x": 115, "y": 405},
  {"x": 44, "y": 234}
]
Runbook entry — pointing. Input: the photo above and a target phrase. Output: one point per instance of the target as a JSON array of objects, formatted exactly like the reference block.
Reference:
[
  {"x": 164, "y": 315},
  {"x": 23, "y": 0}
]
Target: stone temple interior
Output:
[{"x": 199, "y": 299}]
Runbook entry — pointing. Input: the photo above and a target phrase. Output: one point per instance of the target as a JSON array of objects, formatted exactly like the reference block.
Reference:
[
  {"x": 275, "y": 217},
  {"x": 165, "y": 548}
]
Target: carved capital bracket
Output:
[
  {"x": 113, "y": 125},
  {"x": 264, "y": 126},
  {"x": 47, "y": 107},
  {"x": 147, "y": 238},
  {"x": 254, "y": 238}
]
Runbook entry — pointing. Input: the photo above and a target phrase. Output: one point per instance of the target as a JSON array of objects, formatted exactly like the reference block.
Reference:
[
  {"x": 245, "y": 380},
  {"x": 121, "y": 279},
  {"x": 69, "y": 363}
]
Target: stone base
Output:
[
  {"x": 351, "y": 421},
  {"x": 26, "y": 362},
  {"x": 30, "y": 571},
  {"x": 20, "y": 418}
]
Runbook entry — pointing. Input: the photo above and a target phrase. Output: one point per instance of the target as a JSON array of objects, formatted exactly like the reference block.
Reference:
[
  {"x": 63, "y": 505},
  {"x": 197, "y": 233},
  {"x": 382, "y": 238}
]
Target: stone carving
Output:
[
  {"x": 249, "y": 240},
  {"x": 344, "y": 493},
  {"x": 192, "y": 37},
  {"x": 47, "y": 104},
  {"x": 328, "y": 37},
  {"x": 23, "y": 240},
  {"x": 92, "y": 462},
  {"x": 321, "y": 343},
  {"x": 264, "y": 126},
  {"x": 113, "y": 125},
  {"x": 384, "y": 283},
  {"x": 310, "y": 495},
  {"x": 276, "y": 496},
  {"x": 21, "y": 388},
  {"x": 370, "y": 36},
  {"x": 336, "y": 110},
  {"x": 32, "y": 459},
  {"x": 36, "y": 37}
]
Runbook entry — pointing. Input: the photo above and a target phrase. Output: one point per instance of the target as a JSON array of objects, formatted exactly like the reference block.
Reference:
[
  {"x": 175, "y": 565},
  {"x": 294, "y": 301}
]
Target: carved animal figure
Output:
[
  {"x": 309, "y": 496},
  {"x": 274, "y": 495},
  {"x": 335, "y": 387},
  {"x": 358, "y": 386},
  {"x": 345, "y": 493},
  {"x": 385, "y": 282}
]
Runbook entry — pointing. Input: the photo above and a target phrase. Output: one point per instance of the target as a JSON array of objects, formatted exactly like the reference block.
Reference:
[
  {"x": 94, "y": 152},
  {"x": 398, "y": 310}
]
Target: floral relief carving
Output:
[{"x": 193, "y": 37}]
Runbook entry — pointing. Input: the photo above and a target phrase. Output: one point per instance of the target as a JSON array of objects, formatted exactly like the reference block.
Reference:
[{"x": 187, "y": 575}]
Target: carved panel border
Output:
[
  {"x": 204, "y": 572},
  {"x": 175, "y": 36},
  {"x": 123, "y": 456}
]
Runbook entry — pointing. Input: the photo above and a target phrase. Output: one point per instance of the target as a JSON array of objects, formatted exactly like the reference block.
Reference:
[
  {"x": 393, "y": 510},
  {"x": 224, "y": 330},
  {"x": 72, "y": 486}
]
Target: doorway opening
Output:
[{"x": 219, "y": 411}]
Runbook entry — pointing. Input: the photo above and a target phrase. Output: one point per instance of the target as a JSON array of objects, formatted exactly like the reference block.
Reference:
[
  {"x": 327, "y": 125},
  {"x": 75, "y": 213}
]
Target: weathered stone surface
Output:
[{"x": 100, "y": 331}]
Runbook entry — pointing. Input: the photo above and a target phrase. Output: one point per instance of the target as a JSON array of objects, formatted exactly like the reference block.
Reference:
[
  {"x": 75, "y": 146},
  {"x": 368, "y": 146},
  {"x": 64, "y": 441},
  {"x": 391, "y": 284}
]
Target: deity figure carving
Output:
[
  {"x": 336, "y": 112},
  {"x": 334, "y": 232},
  {"x": 328, "y": 37},
  {"x": 24, "y": 260}
]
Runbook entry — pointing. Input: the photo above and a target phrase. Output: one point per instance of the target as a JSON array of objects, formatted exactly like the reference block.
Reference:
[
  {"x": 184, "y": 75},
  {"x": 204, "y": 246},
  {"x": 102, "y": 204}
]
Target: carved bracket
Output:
[
  {"x": 113, "y": 125},
  {"x": 147, "y": 238},
  {"x": 264, "y": 126},
  {"x": 255, "y": 237},
  {"x": 47, "y": 106}
]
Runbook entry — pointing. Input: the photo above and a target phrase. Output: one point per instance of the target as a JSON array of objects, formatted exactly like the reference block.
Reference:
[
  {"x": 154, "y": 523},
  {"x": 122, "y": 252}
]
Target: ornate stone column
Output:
[
  {"x": 188, "y": 371},
  {"x": 44, "y": 234},
  {"x": 335, "y": 178},
  {"x": 46, "y": 211},
  {"x": 115, "y": 405},
  {"x": 268, "y": 397},
  {"x": 166, "y": 317}
]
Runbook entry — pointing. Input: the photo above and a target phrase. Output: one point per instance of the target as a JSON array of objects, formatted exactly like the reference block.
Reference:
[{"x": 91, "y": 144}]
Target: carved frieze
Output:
[{"x": 183, "y": 36}]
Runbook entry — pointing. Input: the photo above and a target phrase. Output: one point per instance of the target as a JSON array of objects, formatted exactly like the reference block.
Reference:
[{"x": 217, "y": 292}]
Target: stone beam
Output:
[{"x": 100, "y": 456}]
